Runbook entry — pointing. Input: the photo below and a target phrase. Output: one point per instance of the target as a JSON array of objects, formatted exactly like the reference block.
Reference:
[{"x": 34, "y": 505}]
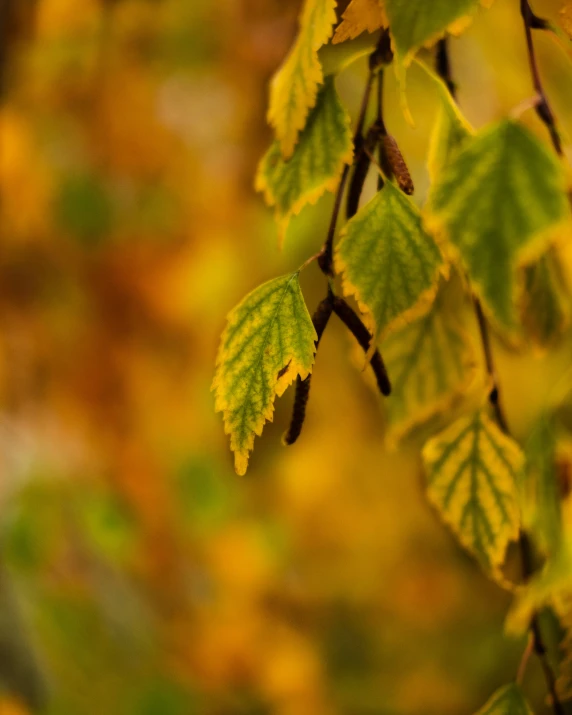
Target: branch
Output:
[
  {"x": 543, "y": 109},
  {"x": 320, "y": 320},
  {"x": 379, "y": 57},
  {"x": 355, "y": 325},
  {"x": 444, "y": 71}
]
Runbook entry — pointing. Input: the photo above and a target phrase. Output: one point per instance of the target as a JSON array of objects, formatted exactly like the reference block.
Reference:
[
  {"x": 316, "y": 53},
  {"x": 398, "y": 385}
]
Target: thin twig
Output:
[
  {"x": 320, "y": 320},
  {"x": 380, "y": 56},
  {"x": 543, "y": 109},
  {"x": 443, "y": 64},
  {"x": 494, "y": 394},
  {"x": 356, "y": 326}
]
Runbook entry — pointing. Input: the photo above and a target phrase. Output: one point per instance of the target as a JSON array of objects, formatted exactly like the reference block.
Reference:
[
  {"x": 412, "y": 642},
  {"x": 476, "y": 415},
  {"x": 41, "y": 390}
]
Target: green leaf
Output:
[
  {"x": 473, "y": 470},
  {"x": 294, "y": 87},
  {"x": 388, "y": 262},
  {"x": 324, "y": 147},
  {"x": 268, "y": 342},
  {"x": 432, "y": 362},
  {"x": 541, "y": 493},
  {"x": 496, "y": 203},
  {"x": 414, "y": 23},
  {"x": 546, "y": 302},
  {"x": 508, "y": 700}
]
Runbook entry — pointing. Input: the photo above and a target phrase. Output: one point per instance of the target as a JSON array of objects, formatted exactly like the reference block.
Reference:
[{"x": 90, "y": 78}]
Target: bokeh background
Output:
[{"x": 138, "y": 574}]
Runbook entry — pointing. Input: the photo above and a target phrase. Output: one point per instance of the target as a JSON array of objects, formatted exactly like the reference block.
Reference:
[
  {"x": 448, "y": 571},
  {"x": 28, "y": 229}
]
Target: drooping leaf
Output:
[
  {"x": 546, "y": 303},
  {"x": 268, "y": 342},
  {"x": 496, "y": 203},
  {"x": 432, "y": 362},
  {"x": 325, "y": 145},
  {"x": 508, "y": 700},
  {"x": 450, "y": 131},
  {"x": 360, "y": 16},
  {"x": 473, "y": 470},
  {"x": 294, "y": 87},
  {"x": 414, "y": 23},
  {"x": 541, "y": 497},
  {"x": 388, "y": 262}
]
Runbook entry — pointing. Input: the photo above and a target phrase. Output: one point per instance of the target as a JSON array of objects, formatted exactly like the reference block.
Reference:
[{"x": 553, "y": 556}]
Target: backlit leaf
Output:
[
  {"x": 432, "y": 362},
  {"x": 450, "y": 132},
  {"x": 294, "y": 87},
  {"x": 496, "y": 203},
  {"x": 360, "y": 16},
  {"x": 541, "y": 497},
  {"x": 546, "y": 303},
  {"x": 473, "y": 470},
  {"x": 325, "y": 145},
  {"x": 268, "y": 342},
  {"x": 508, "y": 700},
  {"x": 414, "y": 23},
  {"x": 387, "y": 260}
]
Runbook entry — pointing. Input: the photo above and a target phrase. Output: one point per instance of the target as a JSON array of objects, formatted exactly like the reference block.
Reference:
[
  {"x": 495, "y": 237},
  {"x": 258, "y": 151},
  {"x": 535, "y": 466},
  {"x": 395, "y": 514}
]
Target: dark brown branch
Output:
[
  {"x": 543, "y": 109},
  {"x": 320, "y": 320},
  {"x": 444, "y": 70},
  {"x": 355, "y": 325},
  {"x": 362, "y": 163},
  {"x": 379, "y": 57}
]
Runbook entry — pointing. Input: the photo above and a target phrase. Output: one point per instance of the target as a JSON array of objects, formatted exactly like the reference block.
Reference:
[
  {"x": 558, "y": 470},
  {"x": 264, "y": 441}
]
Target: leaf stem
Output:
[
  {"x": 538, "y": 645},
  {"x": 543, "y": 109}
]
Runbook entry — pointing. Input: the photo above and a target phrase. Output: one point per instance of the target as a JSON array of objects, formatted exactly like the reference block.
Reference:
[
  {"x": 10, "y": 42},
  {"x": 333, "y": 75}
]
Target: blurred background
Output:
[{"x": 138, "y": 574}]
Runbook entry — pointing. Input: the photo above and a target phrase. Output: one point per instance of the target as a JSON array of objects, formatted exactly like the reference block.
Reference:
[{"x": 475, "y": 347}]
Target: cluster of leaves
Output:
[{"x": 497, "y": 211}]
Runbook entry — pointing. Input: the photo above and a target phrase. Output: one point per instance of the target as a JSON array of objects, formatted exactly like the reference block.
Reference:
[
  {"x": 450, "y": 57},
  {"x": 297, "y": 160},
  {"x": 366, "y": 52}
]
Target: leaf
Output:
[
  {"x": 387, "y": 261},
  {"x": 294, "y": 87},
  {"x": 495, "y": 203},
  {"x": 541, "y": 498},
  {"x": 324, "y": 147},
  {"x": 473, "y": 470},
  {"x": 545, "y": 304},
  {"x": 432, "y": 362},
  {"x": 360, "y": 16},
  {"x": 414, "y": 23},
  {"x": 508, "y": 700},
  {"x": 270, "y": 330},
  {"x": 450, "y": 132}
]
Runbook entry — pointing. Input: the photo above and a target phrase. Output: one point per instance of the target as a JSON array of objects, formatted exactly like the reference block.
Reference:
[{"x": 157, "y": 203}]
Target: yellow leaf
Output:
[
  {"x": 360, "y": 16},
  {"x": 294, "y": 87}
]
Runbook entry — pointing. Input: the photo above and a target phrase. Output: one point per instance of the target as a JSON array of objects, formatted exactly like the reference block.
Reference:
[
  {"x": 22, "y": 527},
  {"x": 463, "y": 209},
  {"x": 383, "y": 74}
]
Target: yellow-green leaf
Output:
[
  {"x": 496, "y": 203},
  {"x": 414, "y": 23},
  {"x": 541, "y": 489},
  {"x": 360, "y": 16},
  {"x": 388, "y": 262},
  {"x": 325, "y": 145},
  {"x": 432, "y": 362},
  {"x": 546, "y": 303},
  {"x": 268, "y": 342},
  {"x": 450, "y": 132},
  {"x": 294, "y": 87},
  {"x": 473, "y": 470},
  {"x": 508, "y": 700}
]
